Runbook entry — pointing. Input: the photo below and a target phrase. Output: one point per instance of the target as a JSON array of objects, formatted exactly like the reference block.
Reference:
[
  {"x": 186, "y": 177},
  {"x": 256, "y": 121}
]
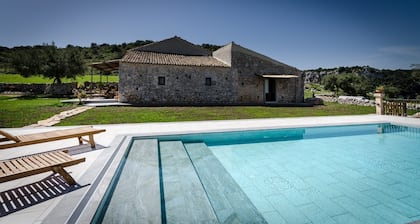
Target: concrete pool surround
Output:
[{"x": 80, "y": 205}]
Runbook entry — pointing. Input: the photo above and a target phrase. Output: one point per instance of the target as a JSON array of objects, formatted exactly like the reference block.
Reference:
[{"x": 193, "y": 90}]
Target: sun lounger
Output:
[
  {"x": 54, "y": 161},
  {"x": 29, "y": 139}
]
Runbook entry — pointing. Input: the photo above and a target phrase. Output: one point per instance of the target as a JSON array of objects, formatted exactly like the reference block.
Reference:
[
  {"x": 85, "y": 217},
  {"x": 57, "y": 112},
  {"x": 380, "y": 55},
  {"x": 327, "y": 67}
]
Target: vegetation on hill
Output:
[
  {"x": 49, "y": 61},
  {"x": 363, "y": 81},
  {"x": 94, "y": 53},
  {"x": 64, "y": 63}
]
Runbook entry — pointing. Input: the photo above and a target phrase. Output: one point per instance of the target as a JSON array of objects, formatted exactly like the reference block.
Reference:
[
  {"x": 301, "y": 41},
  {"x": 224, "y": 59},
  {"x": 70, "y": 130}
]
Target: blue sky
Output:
[{"x": 303, "y": 33}]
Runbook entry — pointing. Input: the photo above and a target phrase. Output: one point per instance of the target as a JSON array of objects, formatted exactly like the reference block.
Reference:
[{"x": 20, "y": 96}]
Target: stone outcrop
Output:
[
  {"x": 315, "y": 76},
  {"x": 354, "y": 100}
]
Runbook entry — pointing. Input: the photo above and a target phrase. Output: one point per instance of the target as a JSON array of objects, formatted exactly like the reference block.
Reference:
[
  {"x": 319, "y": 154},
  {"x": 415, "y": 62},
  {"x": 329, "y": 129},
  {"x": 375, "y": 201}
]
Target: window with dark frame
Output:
[
  {"x": 208, "y": 81},
  {"x": 161, "y": 80}
]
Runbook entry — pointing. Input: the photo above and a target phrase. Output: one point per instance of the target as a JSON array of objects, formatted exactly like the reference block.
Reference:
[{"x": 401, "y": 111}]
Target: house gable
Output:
[
  {"x": 229, "y": 52},
  {"x": 224, "y": 54}
]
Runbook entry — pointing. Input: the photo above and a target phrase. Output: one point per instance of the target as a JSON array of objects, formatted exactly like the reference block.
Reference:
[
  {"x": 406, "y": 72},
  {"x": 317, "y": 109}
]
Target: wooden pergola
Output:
[{"x": 107, "y": 66}]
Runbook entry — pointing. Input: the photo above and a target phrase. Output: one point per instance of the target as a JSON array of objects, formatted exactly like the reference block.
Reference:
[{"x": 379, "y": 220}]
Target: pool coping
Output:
[{"x": 84, "y": 202}]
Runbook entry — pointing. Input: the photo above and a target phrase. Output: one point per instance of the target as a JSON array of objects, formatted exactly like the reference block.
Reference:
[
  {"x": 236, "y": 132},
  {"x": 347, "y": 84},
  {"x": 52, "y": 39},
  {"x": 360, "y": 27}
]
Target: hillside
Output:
[{"x": 362, "y": 80}]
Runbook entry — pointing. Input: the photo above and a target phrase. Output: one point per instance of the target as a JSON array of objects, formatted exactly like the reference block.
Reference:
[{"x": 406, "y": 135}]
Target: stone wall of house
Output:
[
  {"x": 289, "y": 90},
  {"x": 251, "y": 86},
  {"x": 63, "y": 89},
  {"x": 184, "y": 85}
]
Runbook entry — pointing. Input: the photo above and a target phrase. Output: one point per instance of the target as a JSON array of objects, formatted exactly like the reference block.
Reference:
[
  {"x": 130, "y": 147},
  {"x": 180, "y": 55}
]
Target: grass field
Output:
[
  {"x": 16, "y": 78},
  {"x": 116, "y": 115},
  {"x": 22, "y": 111}
]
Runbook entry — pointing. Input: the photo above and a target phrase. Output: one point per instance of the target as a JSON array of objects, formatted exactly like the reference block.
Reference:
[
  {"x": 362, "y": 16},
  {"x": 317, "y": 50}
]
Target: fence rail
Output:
[{"x": 401, "y": 107}]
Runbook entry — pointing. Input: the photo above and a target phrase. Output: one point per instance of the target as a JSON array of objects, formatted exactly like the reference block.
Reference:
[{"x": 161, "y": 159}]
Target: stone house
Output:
[{"x": 177, "y": 72}]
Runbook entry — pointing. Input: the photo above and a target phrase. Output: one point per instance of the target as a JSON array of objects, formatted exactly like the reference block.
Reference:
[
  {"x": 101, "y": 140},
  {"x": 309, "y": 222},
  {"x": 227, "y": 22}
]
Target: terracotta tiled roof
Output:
[
  {"x": 142, "y": 57},
  {"x": 174, "y": 45}
]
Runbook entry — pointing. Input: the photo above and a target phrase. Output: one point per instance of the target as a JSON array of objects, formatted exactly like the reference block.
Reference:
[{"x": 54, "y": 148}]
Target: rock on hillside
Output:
[{"x": 315, "y": 76}]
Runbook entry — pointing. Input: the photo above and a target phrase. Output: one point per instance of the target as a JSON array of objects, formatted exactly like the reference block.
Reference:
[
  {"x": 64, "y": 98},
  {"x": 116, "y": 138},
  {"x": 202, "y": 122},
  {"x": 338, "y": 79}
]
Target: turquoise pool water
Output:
[
  {"x": 339, "y": 174},
  {"x": 331, "y": 176}
]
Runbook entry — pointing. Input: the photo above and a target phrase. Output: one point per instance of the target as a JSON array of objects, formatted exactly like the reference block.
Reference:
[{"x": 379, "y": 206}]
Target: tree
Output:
[
  {"x": 350, "y": 84},
  {"x": 353, "y": 84},
  {"x": 210, "y": 47},
  {"x": 27, "y": 60},
  {"x": 62, "y": 63},
  {"x": 331, "y": 83},
  {"x": 49, "y": 61}
]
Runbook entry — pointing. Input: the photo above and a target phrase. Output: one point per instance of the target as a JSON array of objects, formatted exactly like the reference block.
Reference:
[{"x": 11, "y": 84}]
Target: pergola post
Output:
[{"x": 379, "y": 103}]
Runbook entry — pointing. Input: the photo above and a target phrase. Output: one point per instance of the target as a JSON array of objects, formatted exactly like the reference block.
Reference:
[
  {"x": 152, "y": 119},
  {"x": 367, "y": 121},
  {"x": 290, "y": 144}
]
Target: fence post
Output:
[{"x": 379, "y": 102}]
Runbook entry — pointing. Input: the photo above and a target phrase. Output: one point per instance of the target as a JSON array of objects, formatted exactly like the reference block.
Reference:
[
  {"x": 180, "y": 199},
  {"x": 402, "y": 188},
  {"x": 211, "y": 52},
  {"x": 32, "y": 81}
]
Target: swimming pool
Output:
[{"x": 341, "y": 174}]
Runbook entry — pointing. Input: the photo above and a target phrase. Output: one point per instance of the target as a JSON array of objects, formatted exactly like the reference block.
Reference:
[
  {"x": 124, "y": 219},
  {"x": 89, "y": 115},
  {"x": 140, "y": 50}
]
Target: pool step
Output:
[
  {"x": 184, "y": 196},
  {"x": 229, "y": 202},
  {"x": 137, "y": 194}
]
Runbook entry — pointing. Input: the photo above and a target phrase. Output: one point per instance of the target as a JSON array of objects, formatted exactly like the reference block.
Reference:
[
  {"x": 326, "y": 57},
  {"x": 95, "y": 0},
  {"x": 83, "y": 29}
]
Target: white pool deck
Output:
[{"x": 46, "y": 212}]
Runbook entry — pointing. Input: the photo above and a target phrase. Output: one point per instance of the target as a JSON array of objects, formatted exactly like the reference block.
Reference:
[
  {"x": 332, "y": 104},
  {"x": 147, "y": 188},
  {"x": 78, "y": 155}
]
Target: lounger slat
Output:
[
  {"x": 5, "y": 169},
  {"x": 51, "y": 158},
  {"x": 45, "y": 160},
  {"x": 60, "y": 134},
  {"x": 34, "y": 164},
  {"x": 37, "y": 159},
  {"x": 58, "y": 156},
  {"x": 22, "y": 164},
  {"x": 29, "y": 139},
  {"x": 17, "y": 165},
  {"x": 63, "y": 155},
  {"x": 11, "y": 166},
  {"x": 30, "y": 164}
]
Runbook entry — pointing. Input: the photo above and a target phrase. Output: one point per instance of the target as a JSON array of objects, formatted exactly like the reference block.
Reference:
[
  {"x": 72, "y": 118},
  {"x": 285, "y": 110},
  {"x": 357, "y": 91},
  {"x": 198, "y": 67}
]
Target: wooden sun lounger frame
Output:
[
  {"x": 29, "y": 139},
  {"x": 54, "y": 161}
]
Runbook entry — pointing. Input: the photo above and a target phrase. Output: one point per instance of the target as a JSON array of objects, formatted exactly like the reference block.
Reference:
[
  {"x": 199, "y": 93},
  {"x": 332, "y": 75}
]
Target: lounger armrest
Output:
[{"x": 9, "y": 136}]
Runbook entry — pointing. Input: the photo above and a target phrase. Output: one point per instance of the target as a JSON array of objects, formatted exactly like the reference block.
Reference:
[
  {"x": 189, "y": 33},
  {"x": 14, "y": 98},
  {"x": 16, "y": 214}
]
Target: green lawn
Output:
[
  {"x": 22, "y": 111},
  {"x": 116, "y": 115},
  {"x": 16, "y": 78}
]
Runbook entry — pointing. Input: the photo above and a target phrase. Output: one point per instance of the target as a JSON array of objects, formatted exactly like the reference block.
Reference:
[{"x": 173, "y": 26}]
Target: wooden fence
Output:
[{"x": 401, "y": 107}]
